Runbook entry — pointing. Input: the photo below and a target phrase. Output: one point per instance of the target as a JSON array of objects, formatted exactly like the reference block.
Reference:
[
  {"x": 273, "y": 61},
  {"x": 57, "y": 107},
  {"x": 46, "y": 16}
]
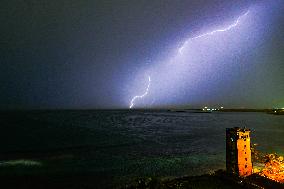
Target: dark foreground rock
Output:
[
  {"x": 78, "y": 181},
  {"x": 219, "y": 179},
  {"x": 88, "y": 181}
]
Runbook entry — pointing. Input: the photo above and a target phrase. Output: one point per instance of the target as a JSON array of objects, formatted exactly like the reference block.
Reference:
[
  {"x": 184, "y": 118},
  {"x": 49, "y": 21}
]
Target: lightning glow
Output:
[
  {"x": 180, "y": 50},
  {"x": 213, "y": 32},
  {"x": 141, "y": 96}
]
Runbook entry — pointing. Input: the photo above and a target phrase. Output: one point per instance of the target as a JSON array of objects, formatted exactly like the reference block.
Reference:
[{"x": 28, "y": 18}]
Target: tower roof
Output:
[{"x": 238, "y": 129}]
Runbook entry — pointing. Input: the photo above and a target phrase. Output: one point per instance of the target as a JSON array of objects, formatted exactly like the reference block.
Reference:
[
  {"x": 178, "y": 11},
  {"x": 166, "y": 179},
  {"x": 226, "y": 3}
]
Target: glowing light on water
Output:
[{"x": 20, "y": 162}]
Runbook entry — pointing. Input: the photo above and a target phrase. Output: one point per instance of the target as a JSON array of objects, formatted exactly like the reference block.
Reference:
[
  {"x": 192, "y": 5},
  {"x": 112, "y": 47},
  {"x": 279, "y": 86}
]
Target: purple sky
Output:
[{"x": 99, "y": 54}]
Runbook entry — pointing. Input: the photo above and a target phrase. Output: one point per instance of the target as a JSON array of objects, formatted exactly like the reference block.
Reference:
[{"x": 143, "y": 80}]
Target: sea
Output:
[{"x": 119, "y": 146}]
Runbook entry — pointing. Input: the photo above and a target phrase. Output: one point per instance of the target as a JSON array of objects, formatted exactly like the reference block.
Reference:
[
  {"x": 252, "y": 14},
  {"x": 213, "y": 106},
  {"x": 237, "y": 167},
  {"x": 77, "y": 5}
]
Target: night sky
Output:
[{"x": 100, "y": 54}]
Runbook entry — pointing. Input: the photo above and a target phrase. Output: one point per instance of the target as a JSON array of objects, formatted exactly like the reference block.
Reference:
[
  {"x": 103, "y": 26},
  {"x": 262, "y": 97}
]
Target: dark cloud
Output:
[{"x": 83, "y": 54}]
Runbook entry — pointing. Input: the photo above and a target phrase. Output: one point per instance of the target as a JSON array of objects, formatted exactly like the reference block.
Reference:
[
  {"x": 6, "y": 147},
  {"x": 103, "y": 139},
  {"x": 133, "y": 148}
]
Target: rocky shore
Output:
[{"x": 219, "y": 179}]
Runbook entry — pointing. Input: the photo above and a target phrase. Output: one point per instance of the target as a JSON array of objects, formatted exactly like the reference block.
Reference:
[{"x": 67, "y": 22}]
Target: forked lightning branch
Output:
[{"x": 181, "y": 49}]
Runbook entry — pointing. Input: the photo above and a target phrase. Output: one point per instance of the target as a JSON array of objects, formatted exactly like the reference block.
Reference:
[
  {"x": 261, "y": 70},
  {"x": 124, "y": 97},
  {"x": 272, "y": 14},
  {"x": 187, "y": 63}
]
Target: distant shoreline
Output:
[{"x": 143, "y": 109}]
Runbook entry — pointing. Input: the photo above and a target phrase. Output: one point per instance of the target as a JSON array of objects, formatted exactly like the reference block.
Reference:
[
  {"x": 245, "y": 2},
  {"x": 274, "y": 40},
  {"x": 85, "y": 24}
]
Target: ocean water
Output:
[{"x": 119, "y": 145}]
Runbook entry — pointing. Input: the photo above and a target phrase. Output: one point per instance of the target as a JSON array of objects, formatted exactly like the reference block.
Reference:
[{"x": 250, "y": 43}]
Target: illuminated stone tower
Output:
[{"x": 238, "y": 152}]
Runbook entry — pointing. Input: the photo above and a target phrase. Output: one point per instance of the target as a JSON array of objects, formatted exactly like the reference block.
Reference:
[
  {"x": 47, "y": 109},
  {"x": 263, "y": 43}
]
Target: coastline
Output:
[{"x": 219, "y": 179}]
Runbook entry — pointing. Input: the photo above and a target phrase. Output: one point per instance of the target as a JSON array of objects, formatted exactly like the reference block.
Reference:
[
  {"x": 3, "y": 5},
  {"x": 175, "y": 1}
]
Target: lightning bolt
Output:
[
  {"x": 234, "y": 24},
  {"x": 213, "y": 32},
  {"x": 141, "y": 96}
]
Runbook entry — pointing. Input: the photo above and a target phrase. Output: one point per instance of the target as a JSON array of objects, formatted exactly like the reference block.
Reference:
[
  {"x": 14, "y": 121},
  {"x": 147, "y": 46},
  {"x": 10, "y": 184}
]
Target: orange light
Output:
[{"x": 274, "y": 168}]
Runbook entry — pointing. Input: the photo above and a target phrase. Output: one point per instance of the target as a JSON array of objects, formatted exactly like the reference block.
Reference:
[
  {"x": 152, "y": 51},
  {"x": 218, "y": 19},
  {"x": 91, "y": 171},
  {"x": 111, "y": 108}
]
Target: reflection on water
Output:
[{"x": 20, "y": 162}]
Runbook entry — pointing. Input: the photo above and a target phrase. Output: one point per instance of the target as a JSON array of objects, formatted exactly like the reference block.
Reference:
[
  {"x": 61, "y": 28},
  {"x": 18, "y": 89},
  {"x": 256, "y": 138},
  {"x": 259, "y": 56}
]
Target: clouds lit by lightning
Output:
[
  {"x": 213, "y": 32},
  {"x": 141, "y": 96},
  {"x": 178, "y": 56}
]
